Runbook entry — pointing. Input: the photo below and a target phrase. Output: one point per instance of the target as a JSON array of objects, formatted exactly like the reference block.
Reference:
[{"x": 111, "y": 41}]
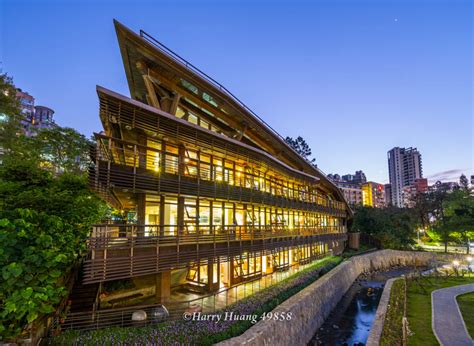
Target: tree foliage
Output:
[
  {"x": 393, "y": 227},
  {"x": 464, "y": 183},
  {"x": 301, "y": 147},
  {"x": 10, "y": 114},
  {"x": 63, "y": 149},
  {"x": 46, "y": 210},
  {"x": 449, "y": 215},
  {"x": 9, "y": 104}
]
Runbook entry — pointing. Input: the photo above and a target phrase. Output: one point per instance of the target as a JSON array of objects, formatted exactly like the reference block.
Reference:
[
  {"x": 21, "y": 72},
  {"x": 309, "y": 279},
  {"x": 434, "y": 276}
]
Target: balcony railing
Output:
[
  {"x": 128, "y": 235},
  {"x": 157, "y": 162},
  {"x": 124, "y": 251}
]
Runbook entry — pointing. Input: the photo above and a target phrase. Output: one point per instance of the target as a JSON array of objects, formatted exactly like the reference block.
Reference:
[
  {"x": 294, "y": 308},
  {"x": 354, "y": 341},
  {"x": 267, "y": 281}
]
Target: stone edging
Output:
[
  {"x": 379, "y": 319},
  {"x": 312, "y": 305}
]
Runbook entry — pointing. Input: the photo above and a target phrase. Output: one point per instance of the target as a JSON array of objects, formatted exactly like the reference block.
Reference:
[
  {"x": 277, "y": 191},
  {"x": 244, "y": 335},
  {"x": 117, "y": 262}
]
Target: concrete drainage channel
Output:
[
  {"x": 351, "y": 320},
  {"x": 310, "y": 307}
]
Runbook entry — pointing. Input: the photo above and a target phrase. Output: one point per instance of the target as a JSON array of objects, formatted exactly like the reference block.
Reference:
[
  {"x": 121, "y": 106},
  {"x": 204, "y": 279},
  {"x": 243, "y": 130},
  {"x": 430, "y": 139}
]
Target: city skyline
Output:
[{"x": 417, "y": 76}]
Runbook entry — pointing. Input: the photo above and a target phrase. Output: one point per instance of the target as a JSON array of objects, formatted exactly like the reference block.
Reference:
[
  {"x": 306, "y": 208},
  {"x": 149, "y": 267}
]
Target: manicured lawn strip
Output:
[
  {"x": 204, "y": 332},
  {"x": 392, "y": 328},
  {"x": 466, "y": 305},
  {"x": 419, "y": 308}
]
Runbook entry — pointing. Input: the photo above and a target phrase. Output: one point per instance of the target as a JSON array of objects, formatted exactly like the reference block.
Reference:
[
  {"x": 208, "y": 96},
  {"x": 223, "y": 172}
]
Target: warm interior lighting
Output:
[{"x": 156, "y": 162}]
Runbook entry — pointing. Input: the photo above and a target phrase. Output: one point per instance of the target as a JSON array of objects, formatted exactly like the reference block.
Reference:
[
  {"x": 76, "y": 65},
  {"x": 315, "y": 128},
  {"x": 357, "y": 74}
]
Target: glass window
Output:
[
  {"x": 189, "y": 86},
  {"x": 217, "y": 216},
  {"x": 171, "y": 216},
  {"x": 208, "y": 98}
]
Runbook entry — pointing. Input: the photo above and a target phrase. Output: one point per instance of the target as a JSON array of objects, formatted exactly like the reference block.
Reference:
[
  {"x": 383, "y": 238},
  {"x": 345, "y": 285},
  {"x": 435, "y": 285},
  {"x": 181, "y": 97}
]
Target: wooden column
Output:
[
  {"x": 163, "y": 287},
  {"x": 141, "y": 216},
  {"x": 162, "y": 215},
  {"x": 180, "y": 215},
  {"x": 142, "y": 153}
]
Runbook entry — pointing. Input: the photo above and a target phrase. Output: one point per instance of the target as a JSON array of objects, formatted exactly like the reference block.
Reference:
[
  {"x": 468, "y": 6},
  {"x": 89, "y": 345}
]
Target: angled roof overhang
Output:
[{"x": 142, "y": 49}]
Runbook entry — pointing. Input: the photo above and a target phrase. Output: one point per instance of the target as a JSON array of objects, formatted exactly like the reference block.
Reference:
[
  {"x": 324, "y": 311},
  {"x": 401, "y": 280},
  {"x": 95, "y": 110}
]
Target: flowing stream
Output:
[{"x": 350, "y": 322}]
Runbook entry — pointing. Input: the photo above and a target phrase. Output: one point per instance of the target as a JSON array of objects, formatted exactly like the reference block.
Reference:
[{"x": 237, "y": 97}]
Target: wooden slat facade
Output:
[{"x": 194, "y": 142}]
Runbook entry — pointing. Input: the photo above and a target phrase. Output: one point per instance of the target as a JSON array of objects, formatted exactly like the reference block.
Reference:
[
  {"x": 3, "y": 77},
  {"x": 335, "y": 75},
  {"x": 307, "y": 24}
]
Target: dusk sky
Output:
[{"x": 354, "y": 78}]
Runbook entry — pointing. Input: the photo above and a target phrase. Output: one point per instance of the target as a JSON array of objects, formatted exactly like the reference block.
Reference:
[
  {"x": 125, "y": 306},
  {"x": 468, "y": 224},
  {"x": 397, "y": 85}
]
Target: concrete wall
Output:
[{"x": 311, "y": 306}]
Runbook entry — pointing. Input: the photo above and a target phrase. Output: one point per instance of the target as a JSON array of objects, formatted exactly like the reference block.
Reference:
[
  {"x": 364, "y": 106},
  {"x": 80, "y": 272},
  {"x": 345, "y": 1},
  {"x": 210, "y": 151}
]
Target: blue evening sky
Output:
[{"x": 355, "y": 78}]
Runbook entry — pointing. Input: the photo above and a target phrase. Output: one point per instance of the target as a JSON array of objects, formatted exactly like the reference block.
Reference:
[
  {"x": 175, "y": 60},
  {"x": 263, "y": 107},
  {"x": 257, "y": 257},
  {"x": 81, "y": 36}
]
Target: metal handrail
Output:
[{"x": 215, "y": 83}]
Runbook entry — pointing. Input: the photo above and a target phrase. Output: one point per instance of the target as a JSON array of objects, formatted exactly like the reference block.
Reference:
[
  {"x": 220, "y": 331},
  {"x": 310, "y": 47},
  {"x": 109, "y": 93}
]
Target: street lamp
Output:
[{"x": 419, "y": 231}]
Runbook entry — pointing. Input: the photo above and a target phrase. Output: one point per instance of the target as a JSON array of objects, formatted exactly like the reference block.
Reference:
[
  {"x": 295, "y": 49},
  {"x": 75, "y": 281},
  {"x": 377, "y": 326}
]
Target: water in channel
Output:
[{"x": 350, "y": 322}]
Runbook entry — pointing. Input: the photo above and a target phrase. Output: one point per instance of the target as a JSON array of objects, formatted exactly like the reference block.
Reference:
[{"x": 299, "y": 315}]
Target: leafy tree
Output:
[
  {"x": 63, "y": 149},
  {"x": 301, "y": 147},
  {"x": 437, "y": 199},
  {"x": 9, "y": 104},
  {"x": 393, "y": 227},
  {"x": 10, "y": 115},
  {"x": 448, "y": 215},
  {"x": 46, "y": 212},
  {"x": 464, "y": 183},
  {"x": 44, "y": 222},
  {"x": 459, "y": 216}
]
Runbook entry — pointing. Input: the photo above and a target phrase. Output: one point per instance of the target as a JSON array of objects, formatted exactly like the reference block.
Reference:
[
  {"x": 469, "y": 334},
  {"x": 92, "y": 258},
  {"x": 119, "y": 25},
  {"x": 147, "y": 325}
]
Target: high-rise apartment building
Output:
[
  {"x": 388, "y": 194},
  {"x": 404, "y": 167}
]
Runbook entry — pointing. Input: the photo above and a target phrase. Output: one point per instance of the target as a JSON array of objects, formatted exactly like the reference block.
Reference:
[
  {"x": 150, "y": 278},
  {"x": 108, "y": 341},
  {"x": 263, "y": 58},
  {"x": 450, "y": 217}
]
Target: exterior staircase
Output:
[{"x": 83, "y": 297}]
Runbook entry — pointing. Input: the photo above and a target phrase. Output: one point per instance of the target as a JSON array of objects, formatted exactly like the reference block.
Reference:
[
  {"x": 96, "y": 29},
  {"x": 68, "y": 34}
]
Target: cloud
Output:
[{"x": 444, "y": 176}]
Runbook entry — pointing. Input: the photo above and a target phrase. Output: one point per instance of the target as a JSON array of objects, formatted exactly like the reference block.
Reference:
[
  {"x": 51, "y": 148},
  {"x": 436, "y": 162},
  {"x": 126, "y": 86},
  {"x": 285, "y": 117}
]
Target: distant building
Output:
[
  {"x": 409, "y": 192},
  {"x": 35, "y": 117},
  {"x": 448, "y": 186},
  {"x": 43, "y": 118},
  {"x": 357, "y": 178},
  {"x": 373, "y": 194},
  {"x": 27, "y": 104},
  {"x": 388, "y": 194},
  {"x": 357, "y": 191},
  {"x": 404, "y": 167},
  {"x": 352, "y": 192}
]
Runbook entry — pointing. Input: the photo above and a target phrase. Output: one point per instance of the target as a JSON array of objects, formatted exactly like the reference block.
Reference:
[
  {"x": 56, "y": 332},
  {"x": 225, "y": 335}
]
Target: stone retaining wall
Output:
[
  {"x": 379, "y": 319},
  {"x": 312, "y": 305}
]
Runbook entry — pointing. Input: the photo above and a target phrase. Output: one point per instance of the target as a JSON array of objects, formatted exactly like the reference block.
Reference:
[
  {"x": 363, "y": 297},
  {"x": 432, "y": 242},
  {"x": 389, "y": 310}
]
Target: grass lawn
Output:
[
  {"x": 419, "y": 307},
  {"x": 392, "y": 328},
  {"x": 466, "y": 305}
]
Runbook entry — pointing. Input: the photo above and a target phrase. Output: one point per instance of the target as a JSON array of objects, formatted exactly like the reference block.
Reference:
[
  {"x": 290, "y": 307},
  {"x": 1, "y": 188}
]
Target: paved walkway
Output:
[{"x": 447, "y": 322}]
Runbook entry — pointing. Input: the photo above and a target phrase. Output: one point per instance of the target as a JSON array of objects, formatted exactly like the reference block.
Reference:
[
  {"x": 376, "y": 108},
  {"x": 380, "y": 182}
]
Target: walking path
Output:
[{"x": 447, "y": 322}]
